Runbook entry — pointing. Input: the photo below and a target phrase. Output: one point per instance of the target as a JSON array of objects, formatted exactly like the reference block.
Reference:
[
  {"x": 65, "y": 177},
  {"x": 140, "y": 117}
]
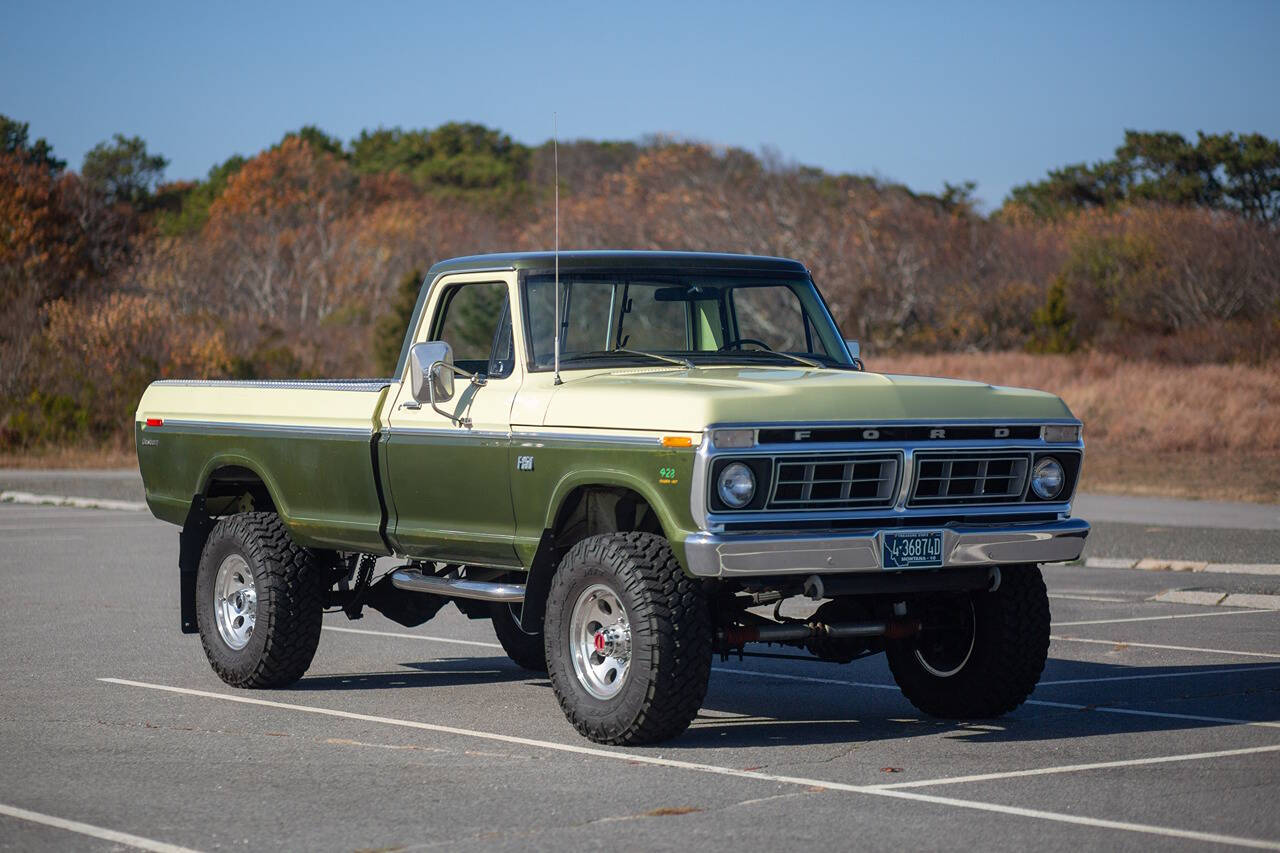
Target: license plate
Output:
[{"x": 917, "y": 549}]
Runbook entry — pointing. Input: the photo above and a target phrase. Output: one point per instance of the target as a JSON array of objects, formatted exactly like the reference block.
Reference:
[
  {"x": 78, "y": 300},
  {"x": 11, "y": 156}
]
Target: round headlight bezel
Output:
[
  {"x": 1049, "y": 473},
  {"x": 739, "y": 475}
]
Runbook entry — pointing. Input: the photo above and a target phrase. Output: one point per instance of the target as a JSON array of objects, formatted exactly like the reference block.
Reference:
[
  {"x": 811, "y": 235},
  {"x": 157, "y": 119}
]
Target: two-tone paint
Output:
[{"x": 360, "y": 466}]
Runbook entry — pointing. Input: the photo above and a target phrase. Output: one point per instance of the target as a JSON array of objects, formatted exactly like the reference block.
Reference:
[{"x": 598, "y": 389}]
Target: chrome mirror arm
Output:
[{"x": 476, "y": 379}]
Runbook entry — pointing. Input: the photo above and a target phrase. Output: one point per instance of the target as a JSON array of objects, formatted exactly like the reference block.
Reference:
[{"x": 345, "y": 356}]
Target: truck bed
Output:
[{"x": 313, "y": 443}]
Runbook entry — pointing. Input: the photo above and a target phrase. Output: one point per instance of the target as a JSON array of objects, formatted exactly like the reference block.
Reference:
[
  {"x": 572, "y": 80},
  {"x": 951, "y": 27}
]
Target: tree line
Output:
[{"x": 304, "y": 259}]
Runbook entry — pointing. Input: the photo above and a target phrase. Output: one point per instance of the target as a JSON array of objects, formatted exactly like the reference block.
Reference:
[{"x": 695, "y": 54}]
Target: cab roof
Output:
[{"x": 614, "y": 259}]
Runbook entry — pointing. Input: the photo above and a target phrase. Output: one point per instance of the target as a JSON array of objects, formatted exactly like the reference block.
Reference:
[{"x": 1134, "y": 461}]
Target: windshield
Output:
[{"x": 700, "y": 319}]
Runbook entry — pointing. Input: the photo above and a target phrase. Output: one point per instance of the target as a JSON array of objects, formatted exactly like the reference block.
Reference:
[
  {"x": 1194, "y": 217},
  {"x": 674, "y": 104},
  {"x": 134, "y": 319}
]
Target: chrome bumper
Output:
[{"x": 742, "y": 555}]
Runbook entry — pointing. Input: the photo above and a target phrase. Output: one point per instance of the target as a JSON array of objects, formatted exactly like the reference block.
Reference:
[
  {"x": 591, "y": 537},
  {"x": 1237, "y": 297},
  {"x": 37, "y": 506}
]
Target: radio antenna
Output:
[{"x": 555, "y": 153}]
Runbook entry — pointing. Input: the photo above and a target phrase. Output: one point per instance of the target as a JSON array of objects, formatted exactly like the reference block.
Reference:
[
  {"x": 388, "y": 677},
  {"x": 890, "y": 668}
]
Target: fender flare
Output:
[{"x": 544, "y": 564}]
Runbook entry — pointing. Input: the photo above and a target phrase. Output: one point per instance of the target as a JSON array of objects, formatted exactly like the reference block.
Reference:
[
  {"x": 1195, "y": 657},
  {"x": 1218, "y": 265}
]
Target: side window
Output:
[{"x": 475, "y": 321}]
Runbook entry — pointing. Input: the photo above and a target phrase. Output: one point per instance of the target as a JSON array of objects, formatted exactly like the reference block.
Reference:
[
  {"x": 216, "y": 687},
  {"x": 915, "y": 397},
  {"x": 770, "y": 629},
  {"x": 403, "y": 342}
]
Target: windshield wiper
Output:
[
  {"x": 805, "y": 361},
  {"x": 683, "y": 362}
]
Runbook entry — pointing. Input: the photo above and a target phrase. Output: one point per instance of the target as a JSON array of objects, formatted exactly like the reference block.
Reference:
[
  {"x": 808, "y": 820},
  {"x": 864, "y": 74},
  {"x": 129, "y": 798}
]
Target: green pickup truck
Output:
[{"x": 627, "y": 461}]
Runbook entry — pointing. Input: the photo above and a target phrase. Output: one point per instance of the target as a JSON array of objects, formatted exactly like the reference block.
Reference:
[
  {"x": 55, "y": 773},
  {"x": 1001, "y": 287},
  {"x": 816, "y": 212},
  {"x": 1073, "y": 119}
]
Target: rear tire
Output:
[
  {"x": 628, "y": 640},
  {"x": 259, "y": 601},
  {"x": 988, "y": 663},
  {"x": 529, "y": 651}
]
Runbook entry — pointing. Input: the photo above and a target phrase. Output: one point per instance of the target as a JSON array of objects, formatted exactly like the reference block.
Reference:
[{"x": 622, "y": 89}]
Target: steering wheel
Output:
[{"x": 737, "y": 344}]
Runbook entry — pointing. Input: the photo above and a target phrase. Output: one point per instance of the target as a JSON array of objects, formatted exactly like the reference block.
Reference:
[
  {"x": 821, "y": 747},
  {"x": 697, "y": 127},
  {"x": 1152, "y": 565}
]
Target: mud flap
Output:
[{"x": 195, "y": 532}]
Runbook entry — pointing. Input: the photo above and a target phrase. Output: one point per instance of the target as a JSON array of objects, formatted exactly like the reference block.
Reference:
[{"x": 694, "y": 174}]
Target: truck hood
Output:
[{"x": 681, "y": 400}]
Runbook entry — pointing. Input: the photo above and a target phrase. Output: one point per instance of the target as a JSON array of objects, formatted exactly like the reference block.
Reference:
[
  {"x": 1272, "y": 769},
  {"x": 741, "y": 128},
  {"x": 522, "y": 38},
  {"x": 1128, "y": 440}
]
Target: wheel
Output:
[
  {"x": 259, "y": 601},
  {"x": 527, "y": 650},
  {"x": 980, "y": 655},
  {"x": 628, "y": 640}
]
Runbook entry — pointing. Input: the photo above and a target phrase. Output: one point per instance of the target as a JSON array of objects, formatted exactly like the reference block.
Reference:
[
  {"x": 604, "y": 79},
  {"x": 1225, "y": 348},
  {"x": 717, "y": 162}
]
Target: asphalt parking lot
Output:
[{"x": 1155, "y": 724}]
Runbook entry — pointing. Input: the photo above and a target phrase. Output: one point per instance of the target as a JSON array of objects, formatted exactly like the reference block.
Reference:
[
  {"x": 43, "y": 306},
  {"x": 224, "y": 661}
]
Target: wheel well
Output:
[
  {"x": 586, "y": 511},
  {"x": 592, "y": 510},
  {"x": 235, "y": 488}
]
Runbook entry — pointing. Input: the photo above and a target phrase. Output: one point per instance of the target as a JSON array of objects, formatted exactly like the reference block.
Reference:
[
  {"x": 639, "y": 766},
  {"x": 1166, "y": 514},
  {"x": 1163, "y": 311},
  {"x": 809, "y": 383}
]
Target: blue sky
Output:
[{"x": 914, "y": 92}]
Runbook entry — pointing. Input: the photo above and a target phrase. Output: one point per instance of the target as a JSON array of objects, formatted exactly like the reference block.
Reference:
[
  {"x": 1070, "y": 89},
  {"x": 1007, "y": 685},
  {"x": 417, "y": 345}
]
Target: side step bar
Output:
[{"x": 416, "y": 581}]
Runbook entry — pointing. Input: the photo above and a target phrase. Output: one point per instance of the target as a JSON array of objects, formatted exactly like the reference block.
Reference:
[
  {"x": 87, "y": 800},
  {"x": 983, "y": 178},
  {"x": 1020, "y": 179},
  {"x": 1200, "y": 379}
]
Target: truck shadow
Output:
[
  {"x": 445, "y": 672},
  {"x": 745, "y": 707},
  {"x": 1071, "y": 701}
]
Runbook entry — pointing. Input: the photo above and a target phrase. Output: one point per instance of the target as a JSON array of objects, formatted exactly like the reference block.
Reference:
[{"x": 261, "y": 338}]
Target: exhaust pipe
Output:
[
  {"x": 740, "y": 635},
  {"x": 415, "y": 581}
]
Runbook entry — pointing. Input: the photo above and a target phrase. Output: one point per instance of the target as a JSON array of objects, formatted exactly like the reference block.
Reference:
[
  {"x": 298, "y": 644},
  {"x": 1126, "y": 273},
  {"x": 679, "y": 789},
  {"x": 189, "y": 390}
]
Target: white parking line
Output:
[
  {"x": 93, "y": 831},
  {"x": 1168, "y": 832},
  {"x": 1134, "y": 712},
  {"x": 640, "y": 758},
  {"x": 405, "y": 636},
  {"x": 1067, "y": 705},
  {"x": 1219, "y": 671},
  {"x": 1059, "y": 639},
  {"x": 1075, "y": 768},
  {"x": 1160, "y": 618}
]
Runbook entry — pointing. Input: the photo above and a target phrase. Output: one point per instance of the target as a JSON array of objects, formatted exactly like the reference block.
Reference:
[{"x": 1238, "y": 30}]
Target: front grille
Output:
[
  {"x": 969, "y": 478},
  {"x": 834, "y": 482}
]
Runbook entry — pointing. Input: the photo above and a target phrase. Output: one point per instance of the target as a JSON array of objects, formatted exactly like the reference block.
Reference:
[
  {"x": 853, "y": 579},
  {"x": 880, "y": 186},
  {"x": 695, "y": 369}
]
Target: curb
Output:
[
  {"x": 1152, "y": 564},
  {"x": 31, "y": 499}
]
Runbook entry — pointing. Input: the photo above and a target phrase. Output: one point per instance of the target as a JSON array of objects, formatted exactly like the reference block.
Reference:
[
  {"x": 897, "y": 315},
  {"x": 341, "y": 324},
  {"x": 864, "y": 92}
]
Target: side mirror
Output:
[
  {"x": 855, "y": 351},
  {"x": 431, "y": 363}
]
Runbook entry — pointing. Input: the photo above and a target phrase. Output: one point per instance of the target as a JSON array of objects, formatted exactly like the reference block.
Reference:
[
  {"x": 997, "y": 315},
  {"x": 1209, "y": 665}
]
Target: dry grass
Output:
[
  {"x": 69, "y": 457},
  {"x": 1208, "y": 431}
]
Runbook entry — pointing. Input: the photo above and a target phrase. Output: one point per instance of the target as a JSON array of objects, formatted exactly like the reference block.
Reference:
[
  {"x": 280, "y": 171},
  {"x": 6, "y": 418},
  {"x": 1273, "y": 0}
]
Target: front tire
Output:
[
  {"x": 628, "y": 640},
  {"x": 986, "y": 657},
  {"x": 259, "y": 602}
]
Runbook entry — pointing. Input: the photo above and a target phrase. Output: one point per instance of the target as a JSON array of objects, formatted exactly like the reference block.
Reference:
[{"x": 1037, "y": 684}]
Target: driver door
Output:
[{"x": 449, "y": 485}]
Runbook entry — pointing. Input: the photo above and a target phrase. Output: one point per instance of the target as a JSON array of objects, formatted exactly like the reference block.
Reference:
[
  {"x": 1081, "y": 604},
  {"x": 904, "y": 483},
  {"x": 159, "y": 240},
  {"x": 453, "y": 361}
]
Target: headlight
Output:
[
  {"x": 736, "y": 485},
  {"x": 1047, "y": 478}
]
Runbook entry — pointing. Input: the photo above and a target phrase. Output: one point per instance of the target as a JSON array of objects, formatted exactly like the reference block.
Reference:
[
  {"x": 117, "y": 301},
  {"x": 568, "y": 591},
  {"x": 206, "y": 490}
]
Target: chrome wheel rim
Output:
[
  {"x": 235, "y": 602},
  {"x": 600, "y": 639},
  {"x": 946, "y": 654}
]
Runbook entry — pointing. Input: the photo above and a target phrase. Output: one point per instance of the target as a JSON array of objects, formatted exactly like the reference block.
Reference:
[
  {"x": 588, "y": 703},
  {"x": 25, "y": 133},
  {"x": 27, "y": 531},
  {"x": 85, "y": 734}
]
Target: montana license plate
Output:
[{"x": 917, "y": 549}]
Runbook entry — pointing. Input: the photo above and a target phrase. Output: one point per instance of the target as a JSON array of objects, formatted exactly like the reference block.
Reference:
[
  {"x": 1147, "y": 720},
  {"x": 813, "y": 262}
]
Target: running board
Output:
[{"x": 415, "y": 581}]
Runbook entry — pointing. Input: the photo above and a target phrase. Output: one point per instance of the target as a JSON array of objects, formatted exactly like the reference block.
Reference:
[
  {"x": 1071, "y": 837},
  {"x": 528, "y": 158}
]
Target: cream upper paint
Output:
[{"x": 636, "y": 399}]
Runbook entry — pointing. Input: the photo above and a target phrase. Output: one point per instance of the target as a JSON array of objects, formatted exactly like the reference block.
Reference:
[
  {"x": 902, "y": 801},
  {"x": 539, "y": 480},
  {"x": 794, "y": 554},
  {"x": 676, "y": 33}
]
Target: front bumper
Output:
[{"x": 745, "y": 555}]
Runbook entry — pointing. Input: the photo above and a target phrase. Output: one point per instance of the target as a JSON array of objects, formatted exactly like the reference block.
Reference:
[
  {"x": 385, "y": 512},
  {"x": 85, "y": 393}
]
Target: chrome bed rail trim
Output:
[
  {"x": 365, "y": 385},
  {"x": 224, "y": 427}
]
